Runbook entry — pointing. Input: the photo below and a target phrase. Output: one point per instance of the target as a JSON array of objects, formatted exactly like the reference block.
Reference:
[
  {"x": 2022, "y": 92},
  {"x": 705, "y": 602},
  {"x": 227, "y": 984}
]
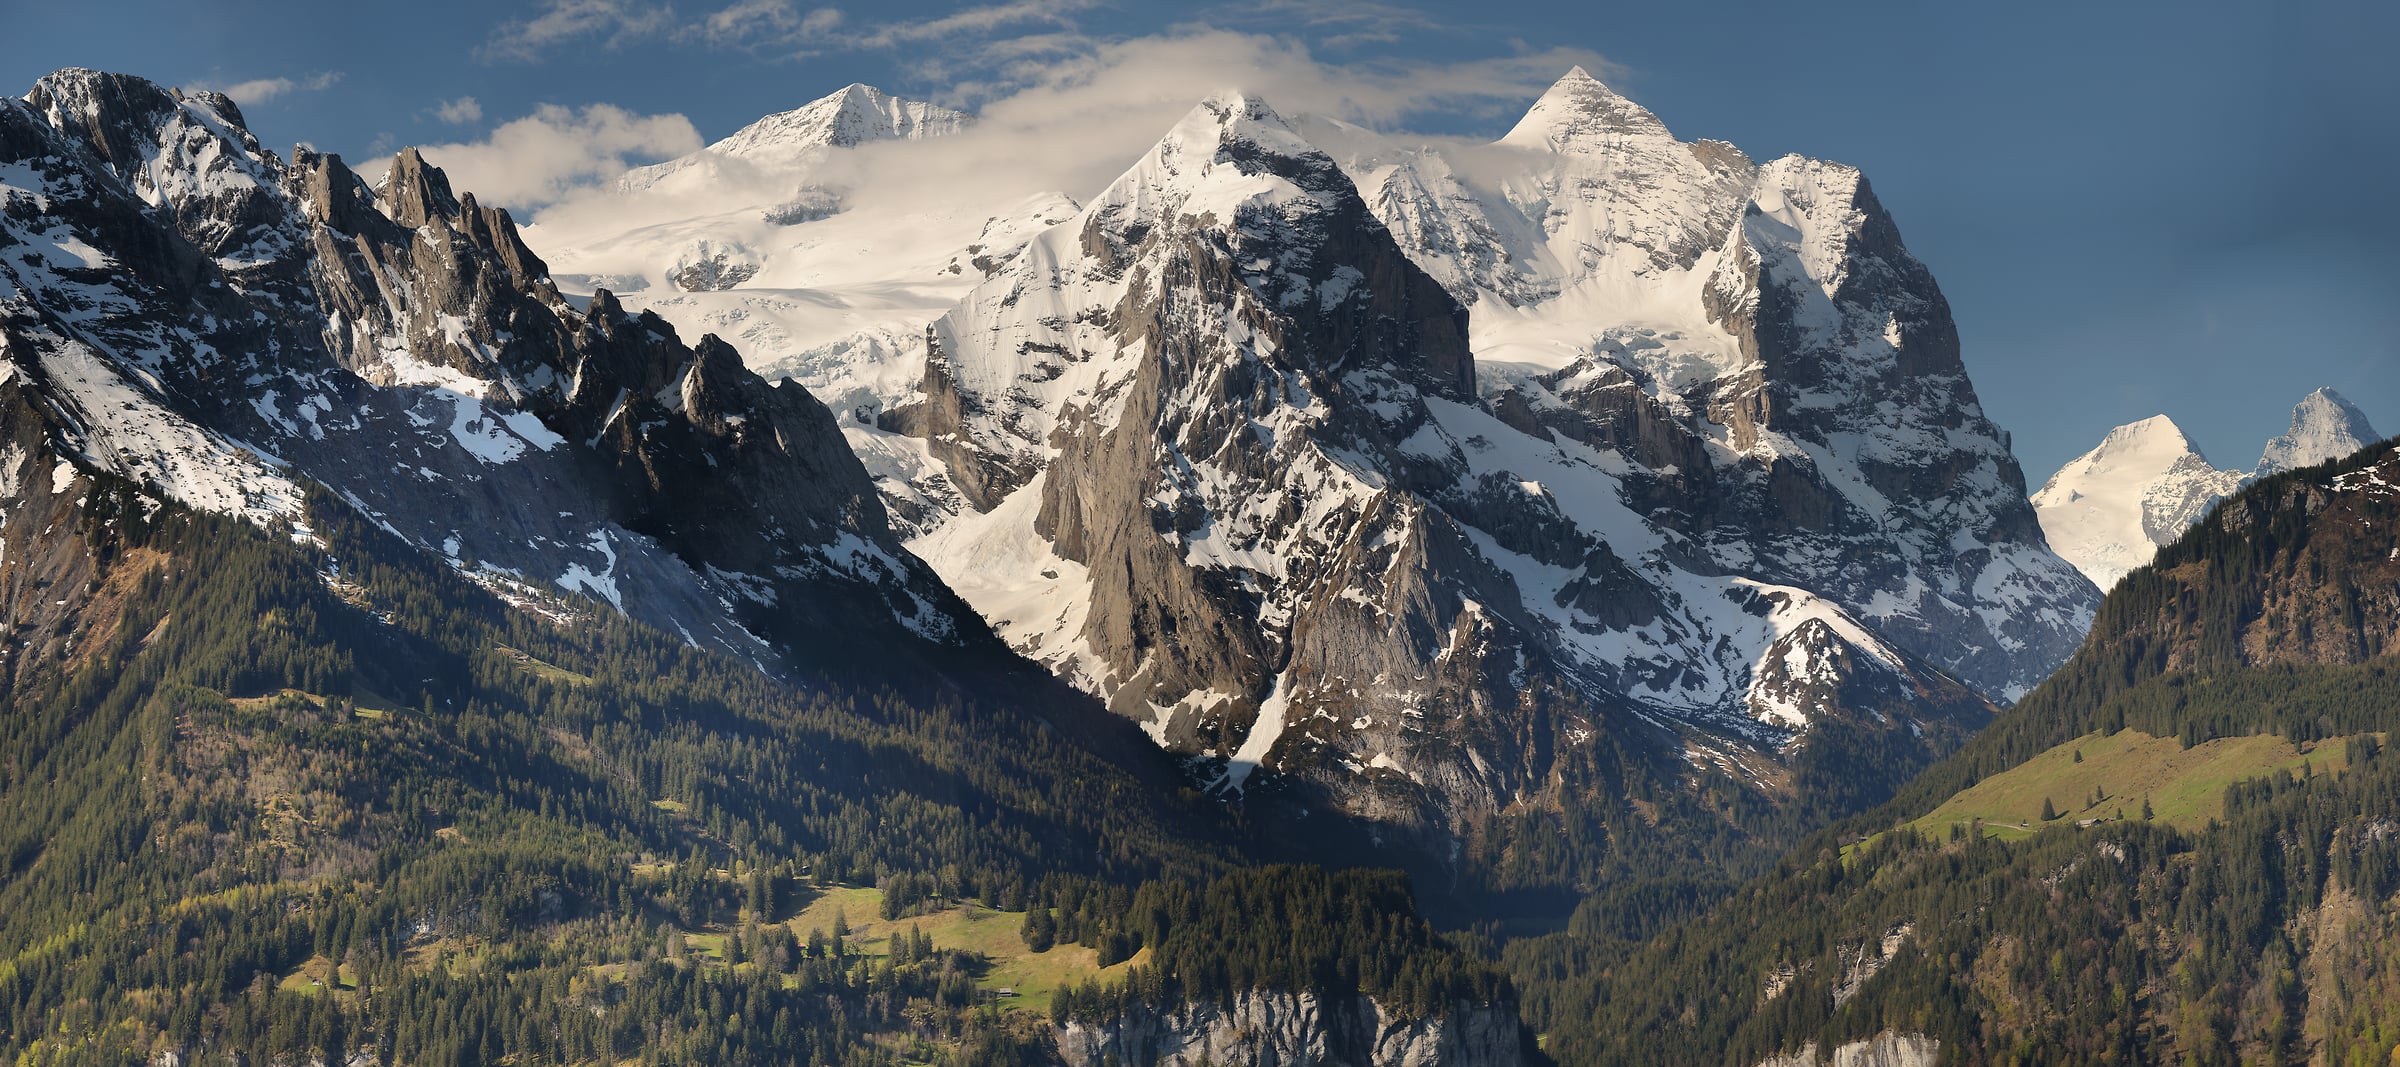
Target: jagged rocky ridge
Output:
[
  {"x": 1222, "y": 451},
  {"x": 181, "y": 307}
]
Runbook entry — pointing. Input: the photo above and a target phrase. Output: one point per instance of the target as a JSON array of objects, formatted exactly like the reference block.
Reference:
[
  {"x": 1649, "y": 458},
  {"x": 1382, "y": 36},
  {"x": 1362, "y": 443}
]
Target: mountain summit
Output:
[
  {"x": 2110, "y": 509},
  {"x": 856, "y": 115},
  {"x": 1576, "y": 111},
  {"x": 793, "y": 140},
  {"x": 2325, "y": 426}
]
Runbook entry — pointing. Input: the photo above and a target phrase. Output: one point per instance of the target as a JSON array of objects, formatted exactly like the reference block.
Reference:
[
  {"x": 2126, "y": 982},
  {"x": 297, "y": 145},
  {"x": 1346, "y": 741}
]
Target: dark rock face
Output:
[
  {"x": 404, "y": 348},
  {"x": 46, "y": 566}
]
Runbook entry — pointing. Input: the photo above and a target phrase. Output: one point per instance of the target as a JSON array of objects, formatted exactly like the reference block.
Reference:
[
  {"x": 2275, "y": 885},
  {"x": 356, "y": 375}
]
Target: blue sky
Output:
[{"x": 2134, "y": 208}]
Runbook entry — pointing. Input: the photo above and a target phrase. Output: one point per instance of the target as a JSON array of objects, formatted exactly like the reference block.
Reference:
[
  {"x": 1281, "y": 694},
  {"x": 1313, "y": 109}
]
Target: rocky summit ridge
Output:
[{"x": 227, "y": 328}]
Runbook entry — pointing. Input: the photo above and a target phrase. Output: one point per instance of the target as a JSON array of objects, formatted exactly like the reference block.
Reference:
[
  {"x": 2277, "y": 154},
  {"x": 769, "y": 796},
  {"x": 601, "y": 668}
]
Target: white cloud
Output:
[
  {"x": 1073, "y": 119},
  {"x": 785, "y": 26},
  {"x": 532, "y": 161},
  {"x": 261, "y": 90},
  {"x": 561, "y": 21},
  {"x": 460, "y": 111}
]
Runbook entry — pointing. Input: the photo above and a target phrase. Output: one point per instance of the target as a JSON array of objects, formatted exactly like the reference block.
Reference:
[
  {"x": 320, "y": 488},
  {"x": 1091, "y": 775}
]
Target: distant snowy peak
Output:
[
  {"x": 2111, "y": 509},
  {"x": 1579, "y": 112},
  {"x": 2324, "y": 426},
  {"x": 856, "y": 115}
]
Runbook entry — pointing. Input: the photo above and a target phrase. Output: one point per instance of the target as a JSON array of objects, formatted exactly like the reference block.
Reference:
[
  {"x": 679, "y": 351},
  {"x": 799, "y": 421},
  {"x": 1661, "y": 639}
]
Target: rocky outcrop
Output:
[
  {"x": 1299, "y": 1030},
  {"x": 1804, "y": 416},
  {"x": 1887, "y": 1049}
]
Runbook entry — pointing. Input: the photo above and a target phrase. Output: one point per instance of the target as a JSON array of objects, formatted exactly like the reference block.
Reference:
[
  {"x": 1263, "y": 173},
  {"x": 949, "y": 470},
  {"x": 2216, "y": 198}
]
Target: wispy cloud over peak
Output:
[{"x": 260, "y": 90}]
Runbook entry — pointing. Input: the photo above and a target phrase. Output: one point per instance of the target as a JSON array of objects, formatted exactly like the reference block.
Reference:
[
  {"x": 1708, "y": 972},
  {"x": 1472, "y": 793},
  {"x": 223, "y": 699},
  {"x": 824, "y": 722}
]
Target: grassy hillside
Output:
[
  {"x": 2100, "y": 778},
  {"x": 1032, "y": 978}
]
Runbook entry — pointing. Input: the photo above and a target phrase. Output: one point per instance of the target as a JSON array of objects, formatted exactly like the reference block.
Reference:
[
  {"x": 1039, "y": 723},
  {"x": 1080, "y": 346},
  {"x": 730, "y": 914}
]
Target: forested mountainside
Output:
[
  {"x": 2177, "y": 850},
  {"x": 279, "y": 800}
]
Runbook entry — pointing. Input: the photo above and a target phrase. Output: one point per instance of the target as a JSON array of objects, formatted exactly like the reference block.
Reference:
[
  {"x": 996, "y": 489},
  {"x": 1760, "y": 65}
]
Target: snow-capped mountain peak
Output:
[
  {"x": 2110, "y": 509},
  {"x": 1578, "y": 113},
  {"x": 790, "y": 143},
  {"x": 855, "y": 115},
  {"x": 2325, "y": 426},
  {"x": 1230, "y": 129}
]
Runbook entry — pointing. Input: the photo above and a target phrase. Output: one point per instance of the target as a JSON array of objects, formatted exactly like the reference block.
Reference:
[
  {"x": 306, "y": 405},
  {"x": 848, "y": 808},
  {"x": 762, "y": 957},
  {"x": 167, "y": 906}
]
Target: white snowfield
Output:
[
  {"x": 2110, "y": 510},
  {"x": 835, "y": 276}
]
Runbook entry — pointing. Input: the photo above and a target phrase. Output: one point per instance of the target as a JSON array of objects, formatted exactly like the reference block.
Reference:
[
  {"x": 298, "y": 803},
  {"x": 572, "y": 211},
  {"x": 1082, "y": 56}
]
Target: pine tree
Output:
[{"x": 1040, "y": 930}]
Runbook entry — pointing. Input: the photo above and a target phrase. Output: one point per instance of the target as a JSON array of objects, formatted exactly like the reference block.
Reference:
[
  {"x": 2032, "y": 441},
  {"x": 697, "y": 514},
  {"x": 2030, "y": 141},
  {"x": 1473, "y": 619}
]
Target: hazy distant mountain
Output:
[{"x": 2324, "y": 426}]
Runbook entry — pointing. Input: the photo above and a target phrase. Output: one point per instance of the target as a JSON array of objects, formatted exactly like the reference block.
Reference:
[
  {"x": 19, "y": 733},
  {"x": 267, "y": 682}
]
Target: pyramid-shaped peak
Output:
[
  {"x": 2152, "y": 444},
  {"x": 2325, "y": 426},
  {"x": 2155, "y": 429},
  {"x": 2326, "y": 407},
  {"x": 1234, "y": 119},
  {"x": 1580, "y": 111}
]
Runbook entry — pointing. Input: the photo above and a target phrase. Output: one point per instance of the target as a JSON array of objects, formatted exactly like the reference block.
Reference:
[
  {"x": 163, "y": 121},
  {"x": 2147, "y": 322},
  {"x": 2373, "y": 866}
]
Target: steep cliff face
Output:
[
  {"x": 1284, "y": 1028},
  {"x": 50, "y": 560},
  {"x": 2325, "y": 426},
  {"x": 1206, "y": 390},
  {"x": 222, "y": 326}
]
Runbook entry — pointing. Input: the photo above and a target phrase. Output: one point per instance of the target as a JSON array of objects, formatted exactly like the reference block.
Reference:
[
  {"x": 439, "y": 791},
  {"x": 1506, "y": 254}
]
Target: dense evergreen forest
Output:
[{"x": 294, "y": 801}]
